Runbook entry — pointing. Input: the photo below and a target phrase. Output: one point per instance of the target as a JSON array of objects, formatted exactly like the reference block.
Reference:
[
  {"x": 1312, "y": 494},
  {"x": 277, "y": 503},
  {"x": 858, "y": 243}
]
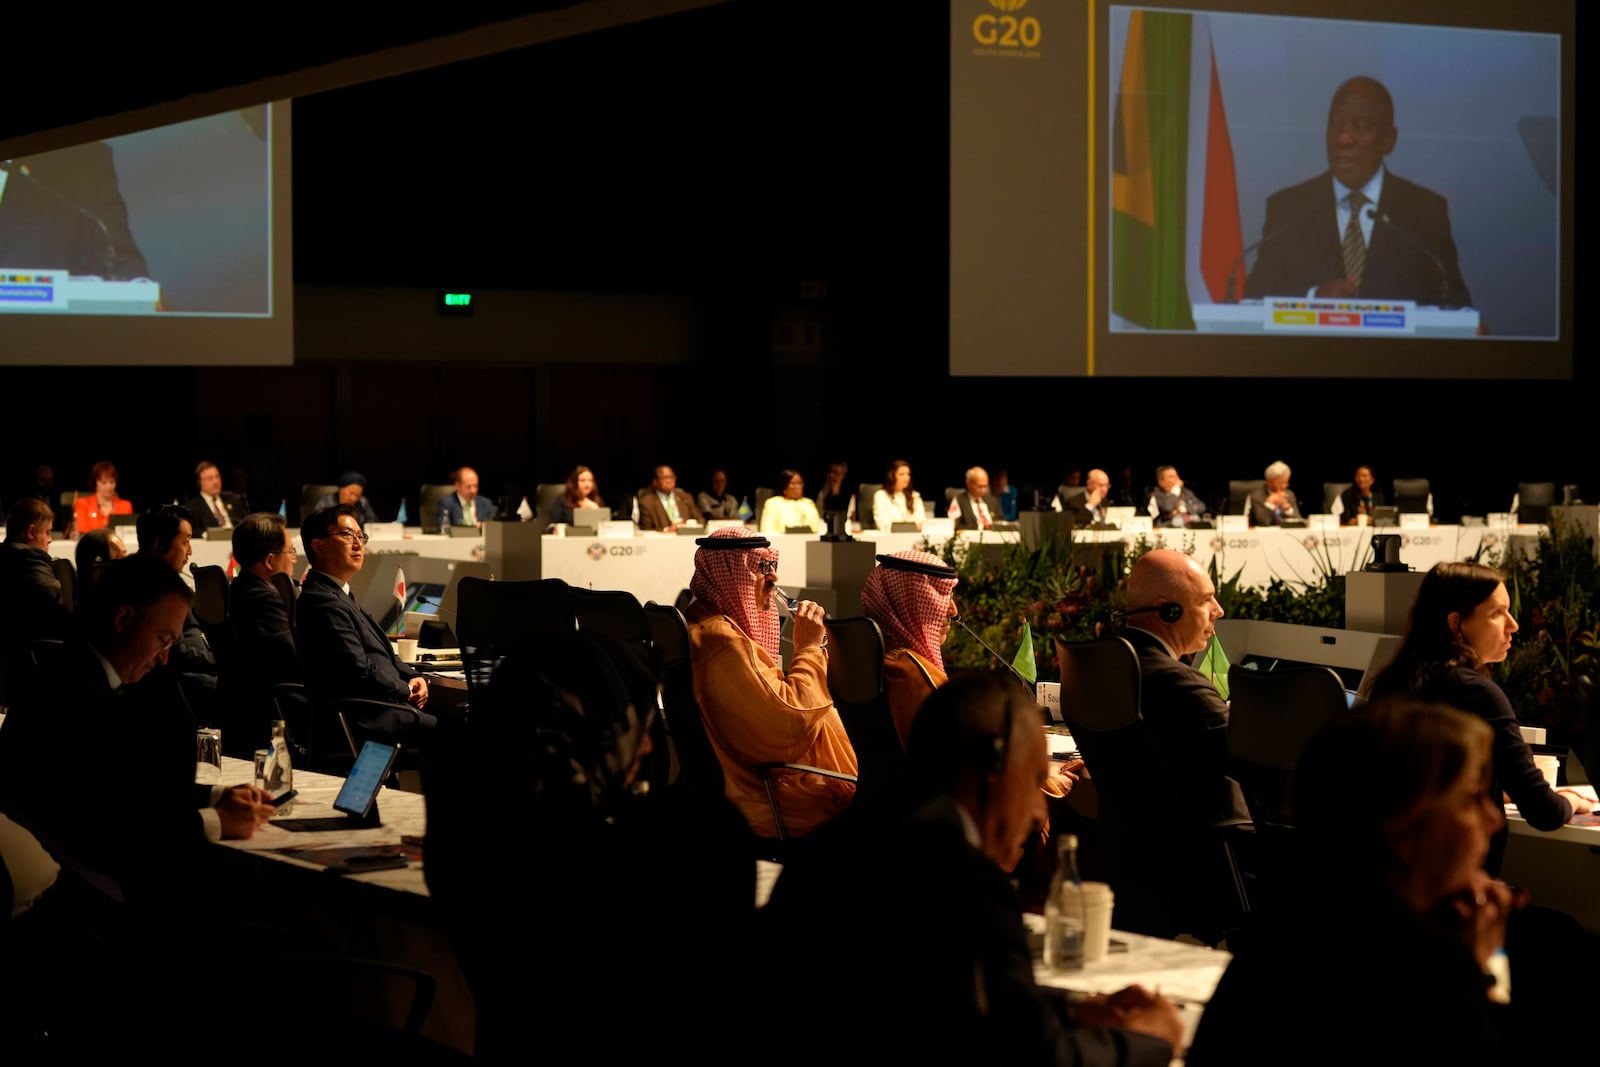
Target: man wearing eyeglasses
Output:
[
  {"x": 344, "y": 651},
  {"x": 754, "y": 711}
]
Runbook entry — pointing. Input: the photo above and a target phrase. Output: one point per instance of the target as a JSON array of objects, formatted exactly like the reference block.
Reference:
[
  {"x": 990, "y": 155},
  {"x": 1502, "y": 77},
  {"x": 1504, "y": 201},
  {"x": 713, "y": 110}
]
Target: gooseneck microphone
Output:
[
  {"x": 1233, "y": 268},
  {"x": 1415, "y": 242},
  {"x": 998, "y": 658},
  {"x": 22, "y": 170}
]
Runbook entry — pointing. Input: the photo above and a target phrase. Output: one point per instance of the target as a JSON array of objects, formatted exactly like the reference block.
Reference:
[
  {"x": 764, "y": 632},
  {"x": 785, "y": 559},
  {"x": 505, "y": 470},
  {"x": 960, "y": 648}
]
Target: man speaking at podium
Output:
[
  {"x": 1358, "y": 229},
  {"x": 62, "y": 210}
]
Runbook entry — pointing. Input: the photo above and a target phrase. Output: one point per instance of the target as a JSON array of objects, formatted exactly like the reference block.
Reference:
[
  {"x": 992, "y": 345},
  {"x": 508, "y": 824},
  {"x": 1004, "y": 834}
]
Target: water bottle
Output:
[
  {"x": 278, "y": 774},
  {"x": 1064, "y": 923}
]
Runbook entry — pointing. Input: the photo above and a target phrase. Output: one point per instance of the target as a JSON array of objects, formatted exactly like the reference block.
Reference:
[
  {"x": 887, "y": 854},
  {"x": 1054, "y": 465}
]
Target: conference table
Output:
[{"x": 657, "y": 566}]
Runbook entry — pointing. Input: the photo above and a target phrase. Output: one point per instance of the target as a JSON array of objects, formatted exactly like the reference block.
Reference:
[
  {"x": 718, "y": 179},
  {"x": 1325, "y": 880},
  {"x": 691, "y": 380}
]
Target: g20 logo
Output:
[
  {"x": 597, "y": 551},
  {"x": 1006, "y": 30}
]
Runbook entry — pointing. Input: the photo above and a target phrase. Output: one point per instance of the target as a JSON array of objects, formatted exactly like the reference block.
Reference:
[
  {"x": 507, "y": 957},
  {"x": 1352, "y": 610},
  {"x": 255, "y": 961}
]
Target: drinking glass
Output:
[{"x": 208, "y": 756}]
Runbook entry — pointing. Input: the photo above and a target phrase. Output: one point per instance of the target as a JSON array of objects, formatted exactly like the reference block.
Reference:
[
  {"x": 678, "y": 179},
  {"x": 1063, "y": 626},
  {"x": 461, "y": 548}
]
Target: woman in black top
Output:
[
  {"x": 1461, "y": 624},
  {"x": 1361, "y": 497}
]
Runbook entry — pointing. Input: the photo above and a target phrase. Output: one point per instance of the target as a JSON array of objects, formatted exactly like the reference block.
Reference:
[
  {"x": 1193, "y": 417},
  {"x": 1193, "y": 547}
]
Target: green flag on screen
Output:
[
  {"x": 1024, "y": 662},
  {"x": 1214, "y": 665}
]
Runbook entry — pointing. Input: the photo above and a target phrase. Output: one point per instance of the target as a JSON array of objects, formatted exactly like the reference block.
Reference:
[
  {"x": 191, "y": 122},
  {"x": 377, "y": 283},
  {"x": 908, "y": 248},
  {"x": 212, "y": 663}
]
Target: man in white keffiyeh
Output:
[{"x": 754, "y": 712}]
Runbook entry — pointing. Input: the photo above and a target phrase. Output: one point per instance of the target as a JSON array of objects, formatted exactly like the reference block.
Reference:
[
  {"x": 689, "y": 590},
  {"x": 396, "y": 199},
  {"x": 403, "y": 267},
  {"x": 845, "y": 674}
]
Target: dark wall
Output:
[{"x": 727, "y": 157}]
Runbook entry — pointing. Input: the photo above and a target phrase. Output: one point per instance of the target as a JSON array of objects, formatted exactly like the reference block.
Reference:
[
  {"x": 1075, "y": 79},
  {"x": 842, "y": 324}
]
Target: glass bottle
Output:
[
  {"x": 1063, "y": 910},
  {"x": 279, "y": 772}
]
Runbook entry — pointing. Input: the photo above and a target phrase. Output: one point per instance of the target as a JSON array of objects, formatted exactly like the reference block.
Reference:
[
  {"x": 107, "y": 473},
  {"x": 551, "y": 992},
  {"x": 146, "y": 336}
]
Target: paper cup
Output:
[
  {"x": 1550, "y": 766},
  {"x": 406, "y": 649}
]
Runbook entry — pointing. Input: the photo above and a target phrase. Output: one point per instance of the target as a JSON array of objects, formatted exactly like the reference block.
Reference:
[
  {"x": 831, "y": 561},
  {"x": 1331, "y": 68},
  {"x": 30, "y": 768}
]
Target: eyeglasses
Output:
[
  {"x": 351, "y": 536},
  {"x": 288, "y": 549},
  {"x": 768, "y": 567}
]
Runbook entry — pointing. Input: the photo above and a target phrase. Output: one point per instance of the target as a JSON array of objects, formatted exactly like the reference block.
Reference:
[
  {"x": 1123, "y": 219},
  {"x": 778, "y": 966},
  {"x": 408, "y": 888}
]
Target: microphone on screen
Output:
[
  {"x": 1233, "y": 268},
  {"x": 998, "y": 658},
  {"x": 1415, "y": 242},
  {"x": 23, "y": 171}
]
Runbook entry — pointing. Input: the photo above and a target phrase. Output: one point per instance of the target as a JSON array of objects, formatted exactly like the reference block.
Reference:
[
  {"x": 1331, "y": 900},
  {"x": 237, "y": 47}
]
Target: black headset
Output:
[{"x": 1169, "y": 612}]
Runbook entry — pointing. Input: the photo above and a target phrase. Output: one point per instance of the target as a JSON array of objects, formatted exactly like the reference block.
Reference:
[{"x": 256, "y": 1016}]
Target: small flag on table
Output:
[
  {"x": 283, "y": 508},
  {"x": 401, "y": 518},
  {"x": 1214, "y": 665},
  {"x": 524, "y": 512},
  {"x": 399, "y": 625},
  {"x": 1024, "y": 664}
]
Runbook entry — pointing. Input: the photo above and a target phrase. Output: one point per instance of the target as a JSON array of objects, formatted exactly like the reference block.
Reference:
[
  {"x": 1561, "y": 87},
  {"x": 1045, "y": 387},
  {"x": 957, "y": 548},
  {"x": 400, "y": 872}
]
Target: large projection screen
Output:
[
  {"x": 166, "y": 246},
  {"x": 1112, "y": 167}
]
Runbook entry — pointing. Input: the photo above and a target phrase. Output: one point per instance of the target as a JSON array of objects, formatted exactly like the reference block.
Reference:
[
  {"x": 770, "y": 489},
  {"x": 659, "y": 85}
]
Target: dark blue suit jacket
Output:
[
  {"x": 345, "y": 654},
  {"x": 449, "y": 513},
  {"x": 1302, "y": 247}
]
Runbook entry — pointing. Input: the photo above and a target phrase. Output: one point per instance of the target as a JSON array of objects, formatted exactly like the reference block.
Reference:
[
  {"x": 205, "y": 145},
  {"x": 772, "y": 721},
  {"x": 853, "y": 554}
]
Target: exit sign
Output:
[{"x": 456, "y": 303}]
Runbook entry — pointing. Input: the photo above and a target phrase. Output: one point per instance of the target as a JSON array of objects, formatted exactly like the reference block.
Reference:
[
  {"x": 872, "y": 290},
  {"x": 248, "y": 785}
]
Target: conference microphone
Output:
[
  {"x": 22, "y": 170},
  {"x": 1233, "y": 268},
  {"x": 998, "y": 658},
  {"x": 1414, "y": 242},
  {"x": 441, "y": 609}
]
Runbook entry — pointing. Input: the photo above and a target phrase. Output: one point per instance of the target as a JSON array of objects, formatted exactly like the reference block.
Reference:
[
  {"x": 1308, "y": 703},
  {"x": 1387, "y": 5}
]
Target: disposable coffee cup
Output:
[
  {"x": 1097, "y": 902},
  {"x": 1549, "y": 766},
  {"x": 406, "y": 649}
]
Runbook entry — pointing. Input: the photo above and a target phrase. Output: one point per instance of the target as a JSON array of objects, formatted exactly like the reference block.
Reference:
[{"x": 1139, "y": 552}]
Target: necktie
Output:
[
  {"x": 1354, "y": 245},
  {"x": 216, "y": 509},
  {"x": 672, "y": 508}
]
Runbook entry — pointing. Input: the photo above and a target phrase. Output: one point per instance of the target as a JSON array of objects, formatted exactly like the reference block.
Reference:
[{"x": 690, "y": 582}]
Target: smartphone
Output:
[{"x": 282, "y": 798}]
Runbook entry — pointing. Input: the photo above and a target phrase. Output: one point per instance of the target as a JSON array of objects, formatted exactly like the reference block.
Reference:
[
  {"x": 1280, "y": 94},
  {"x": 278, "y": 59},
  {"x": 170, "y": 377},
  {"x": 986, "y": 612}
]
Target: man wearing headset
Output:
[{"x": 1172, "y": 614}]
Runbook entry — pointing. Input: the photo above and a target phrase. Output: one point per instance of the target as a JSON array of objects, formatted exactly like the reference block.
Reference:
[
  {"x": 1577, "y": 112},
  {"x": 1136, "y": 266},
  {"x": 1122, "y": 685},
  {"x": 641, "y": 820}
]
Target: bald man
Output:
[
  {"x": 973, "y": 508},
  {"x": 1172, "y": 614},
  {"x": 1358, "y": 229},
  {"x": 1091, "y": 506}
]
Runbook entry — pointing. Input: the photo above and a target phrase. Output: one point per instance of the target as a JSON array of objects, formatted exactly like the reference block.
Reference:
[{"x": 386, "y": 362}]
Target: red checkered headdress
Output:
[
  {"x": 727, "y": 575},
  {"x": 908, "y": 595}
]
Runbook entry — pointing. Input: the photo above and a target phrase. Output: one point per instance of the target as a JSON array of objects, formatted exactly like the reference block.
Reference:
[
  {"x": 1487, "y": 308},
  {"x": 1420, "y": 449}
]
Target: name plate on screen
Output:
[{"x": 615, "y": 528}]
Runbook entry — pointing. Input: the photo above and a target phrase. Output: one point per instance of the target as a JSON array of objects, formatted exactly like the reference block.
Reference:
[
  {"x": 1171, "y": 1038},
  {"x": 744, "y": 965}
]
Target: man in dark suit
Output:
[
  {"x": 667, "y": 506},
  {"x": 916, "y": 885},
  {"x": 213, "y": 505},
  {"x": 1358, "y": 230},
  {"x": 343, "y": 650},
  {"x": 29, "y": 590},
  {"x": 62, "y": 209},
  {"x": 1172, "y": 503},
  {"x": 464, "y": 507},
  {"x": 973, "y": 508},
  {"x": 1172, "y": 615},
  {"x": 265, "y": 653},
  {"x": 1088, "y": 505},
  {"x": 1274, "y": 503}
]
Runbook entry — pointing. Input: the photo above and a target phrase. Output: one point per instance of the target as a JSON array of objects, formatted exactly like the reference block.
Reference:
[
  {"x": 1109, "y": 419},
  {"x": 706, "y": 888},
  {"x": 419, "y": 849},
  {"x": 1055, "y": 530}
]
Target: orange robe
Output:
[
  {"x": 908, "y": 680},
  {"x": 754, "y": 713}
]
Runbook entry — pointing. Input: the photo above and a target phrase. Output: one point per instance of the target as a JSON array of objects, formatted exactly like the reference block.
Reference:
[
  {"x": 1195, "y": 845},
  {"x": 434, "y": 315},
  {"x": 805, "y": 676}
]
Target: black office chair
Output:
[
  {"x": 1534, "y": 501},
  {"x": 428, "y": 498},
  {"x": 1272, "y": 715},
  {"x": 210, "y": 596},
  {"x": 493, "y": 617},
  {"x": 67, "y": 574},
  {"x": 1332, "y": 491},
  {"x": 616, "y": 613},
  {"x": 761, "y": 494},
  {"x": 1239, "y": 494},
  {"x": 310, "y": 494},
  {"x": 865, "y": 493},
  {"x": 1411, "y": 495},
  {"x": 545, "y": 495},
  {"x": 855, "y": 681},
  {"x": 1071, "y": 498}
]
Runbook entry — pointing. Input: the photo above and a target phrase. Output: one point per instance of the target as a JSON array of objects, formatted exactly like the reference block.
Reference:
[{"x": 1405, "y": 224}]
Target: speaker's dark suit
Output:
[
  {"x": 41, "y": 229},
  {"x": 1309, "y": 252},
  {"x": 968, "y": 517},
  {"x": 346, "y": 654},
  {"x": 948, "y": 978},
  {"x": 653, "y": 513},
  {"x": 233, "y": 504},
  {"x": 1262, "y": 514},
  {"x": 450, "y": 513}
]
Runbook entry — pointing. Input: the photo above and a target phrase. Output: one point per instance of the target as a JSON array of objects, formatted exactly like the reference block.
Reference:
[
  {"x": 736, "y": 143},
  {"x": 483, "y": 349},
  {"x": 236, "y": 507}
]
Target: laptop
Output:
[
  {"x": 590, "y": 517},
  {"x": 218, "y": 533},
  {"x": 358, "y": 799}
]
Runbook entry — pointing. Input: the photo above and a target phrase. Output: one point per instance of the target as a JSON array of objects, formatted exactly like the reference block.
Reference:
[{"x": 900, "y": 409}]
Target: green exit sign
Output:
[{"x": 455, "y": 303}]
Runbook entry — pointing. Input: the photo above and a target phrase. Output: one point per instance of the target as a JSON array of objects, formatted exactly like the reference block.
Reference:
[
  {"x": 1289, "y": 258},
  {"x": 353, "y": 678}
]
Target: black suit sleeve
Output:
[{"x": 339, "y": 658}]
